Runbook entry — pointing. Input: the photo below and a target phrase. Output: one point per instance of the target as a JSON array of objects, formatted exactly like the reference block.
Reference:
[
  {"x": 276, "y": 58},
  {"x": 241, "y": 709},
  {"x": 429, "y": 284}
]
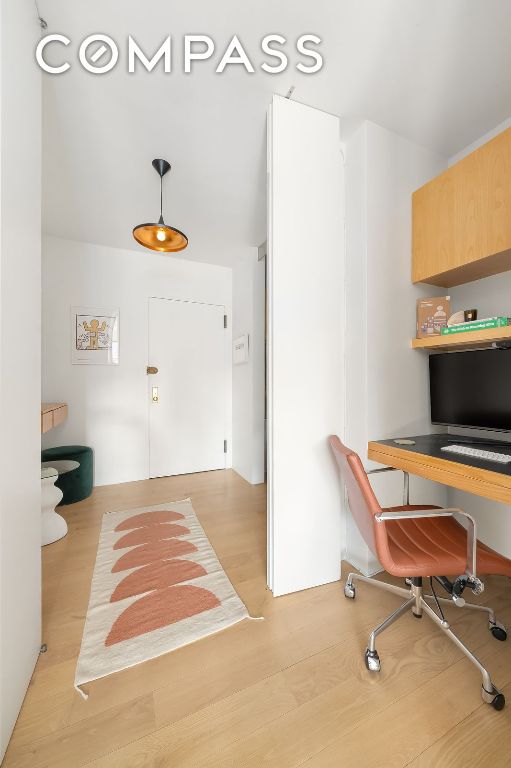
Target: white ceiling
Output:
[{"x": 438, "y": 72}]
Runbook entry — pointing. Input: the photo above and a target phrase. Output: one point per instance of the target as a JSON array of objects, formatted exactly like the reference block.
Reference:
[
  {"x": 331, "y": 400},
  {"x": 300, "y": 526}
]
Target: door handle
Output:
[
  {"x": 155, "y": 397},
  {"x": 151, "y": 370}
]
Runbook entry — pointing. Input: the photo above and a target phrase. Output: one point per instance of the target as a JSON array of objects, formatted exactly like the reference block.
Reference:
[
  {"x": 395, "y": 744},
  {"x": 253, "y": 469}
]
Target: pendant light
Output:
[{"x": 160, "y": 237}]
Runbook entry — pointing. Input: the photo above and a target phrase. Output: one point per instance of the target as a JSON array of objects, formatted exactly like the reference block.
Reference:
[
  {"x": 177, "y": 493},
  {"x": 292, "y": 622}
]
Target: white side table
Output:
[{"x": 53, "y": 526}]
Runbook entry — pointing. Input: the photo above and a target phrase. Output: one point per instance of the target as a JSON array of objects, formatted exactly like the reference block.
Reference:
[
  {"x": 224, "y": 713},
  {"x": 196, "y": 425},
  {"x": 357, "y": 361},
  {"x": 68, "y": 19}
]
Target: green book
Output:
[{"x": 476, "y": 325}]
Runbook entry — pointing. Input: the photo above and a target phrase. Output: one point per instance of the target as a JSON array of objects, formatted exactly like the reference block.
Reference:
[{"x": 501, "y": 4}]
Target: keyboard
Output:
[{"x": 478, "y": 453}]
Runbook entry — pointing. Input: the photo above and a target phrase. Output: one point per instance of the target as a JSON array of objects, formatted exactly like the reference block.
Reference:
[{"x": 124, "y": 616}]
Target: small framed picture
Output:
[
  {"x": 94, "y": 336},
  {"x": 240, "y": 350}
]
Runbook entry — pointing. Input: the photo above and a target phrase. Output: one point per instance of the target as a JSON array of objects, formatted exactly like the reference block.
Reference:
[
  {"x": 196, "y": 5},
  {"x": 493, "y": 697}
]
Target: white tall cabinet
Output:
[{"x": 305, "y": 385}]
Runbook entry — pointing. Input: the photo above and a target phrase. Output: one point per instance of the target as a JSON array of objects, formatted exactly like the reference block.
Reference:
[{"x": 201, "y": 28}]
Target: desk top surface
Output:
[{"x": 430, "y": 445}]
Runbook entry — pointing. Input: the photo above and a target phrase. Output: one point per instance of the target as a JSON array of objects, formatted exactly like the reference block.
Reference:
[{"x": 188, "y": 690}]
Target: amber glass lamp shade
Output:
[{"x": 160, "y": 237}]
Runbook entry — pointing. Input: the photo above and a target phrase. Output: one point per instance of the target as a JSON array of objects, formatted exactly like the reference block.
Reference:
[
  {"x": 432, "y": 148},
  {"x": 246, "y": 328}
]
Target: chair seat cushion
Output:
[{"x": 433, "y": 547}]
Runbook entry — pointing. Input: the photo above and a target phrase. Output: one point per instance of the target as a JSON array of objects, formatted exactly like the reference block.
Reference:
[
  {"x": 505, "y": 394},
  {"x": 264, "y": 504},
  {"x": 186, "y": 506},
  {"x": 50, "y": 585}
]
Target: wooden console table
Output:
[{"x": 52, "y": 414}]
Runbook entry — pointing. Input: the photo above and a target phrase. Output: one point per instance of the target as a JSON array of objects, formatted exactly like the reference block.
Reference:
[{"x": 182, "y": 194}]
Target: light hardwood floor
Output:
[{"x": 288, "y": 691}]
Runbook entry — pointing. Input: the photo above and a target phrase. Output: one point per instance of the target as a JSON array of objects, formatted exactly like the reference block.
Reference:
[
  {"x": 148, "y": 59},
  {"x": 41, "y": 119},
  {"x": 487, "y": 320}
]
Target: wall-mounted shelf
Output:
[
  {"x": 52, "y": 414},
  {"x": 467, "y": 340}
]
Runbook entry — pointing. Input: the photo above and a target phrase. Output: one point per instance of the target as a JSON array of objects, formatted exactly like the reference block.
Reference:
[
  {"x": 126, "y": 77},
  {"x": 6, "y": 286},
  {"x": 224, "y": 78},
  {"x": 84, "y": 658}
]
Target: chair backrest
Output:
[{"x": 363, "y": 503}]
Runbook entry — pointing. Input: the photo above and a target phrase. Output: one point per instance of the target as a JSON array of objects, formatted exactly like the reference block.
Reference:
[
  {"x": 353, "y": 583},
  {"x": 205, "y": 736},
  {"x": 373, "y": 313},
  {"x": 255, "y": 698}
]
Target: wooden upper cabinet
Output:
[{"x": 462, "y": 218}]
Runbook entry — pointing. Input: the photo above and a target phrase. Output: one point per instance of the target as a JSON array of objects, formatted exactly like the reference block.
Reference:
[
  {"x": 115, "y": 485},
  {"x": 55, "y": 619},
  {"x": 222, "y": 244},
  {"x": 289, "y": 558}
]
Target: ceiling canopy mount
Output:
[{"x": 161, "y": 167}]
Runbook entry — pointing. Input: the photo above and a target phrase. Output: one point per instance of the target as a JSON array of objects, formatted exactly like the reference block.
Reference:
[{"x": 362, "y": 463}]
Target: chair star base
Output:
[{"x": 418, "y": 604}]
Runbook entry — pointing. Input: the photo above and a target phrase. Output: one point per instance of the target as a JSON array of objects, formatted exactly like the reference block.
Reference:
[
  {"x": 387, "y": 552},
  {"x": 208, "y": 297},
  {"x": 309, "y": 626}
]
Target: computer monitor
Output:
[{"x": 471, "y": 389}]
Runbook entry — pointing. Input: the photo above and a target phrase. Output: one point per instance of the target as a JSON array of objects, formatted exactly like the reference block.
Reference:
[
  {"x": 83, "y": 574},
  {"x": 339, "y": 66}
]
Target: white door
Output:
[
  {"x": 187, "y": 396},
  {"x": 305, "y": 345}
]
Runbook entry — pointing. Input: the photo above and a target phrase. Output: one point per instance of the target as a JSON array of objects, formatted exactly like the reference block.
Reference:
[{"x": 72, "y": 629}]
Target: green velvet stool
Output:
[{"x": 77, "y": 484}]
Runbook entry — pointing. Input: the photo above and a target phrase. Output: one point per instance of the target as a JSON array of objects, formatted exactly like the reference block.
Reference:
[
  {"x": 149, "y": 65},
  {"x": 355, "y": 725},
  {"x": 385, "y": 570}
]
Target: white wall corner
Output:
[{"x": 383, "y": 169}]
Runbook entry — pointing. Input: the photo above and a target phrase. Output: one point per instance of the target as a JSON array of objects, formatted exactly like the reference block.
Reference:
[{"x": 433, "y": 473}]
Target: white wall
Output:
[
  {"x": 387, "y": 381},
  {"x": 248, "y": 384},
  {"x": 480, "y": 141},
  {"x": 20, "y": 280},
  {"x": 108, "y": 405},
  {"x": 491, "y": 296}
]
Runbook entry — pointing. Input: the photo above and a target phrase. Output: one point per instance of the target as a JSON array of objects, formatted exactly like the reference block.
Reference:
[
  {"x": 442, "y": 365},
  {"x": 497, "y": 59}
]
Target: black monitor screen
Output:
[{"x": 471, "y": 389}]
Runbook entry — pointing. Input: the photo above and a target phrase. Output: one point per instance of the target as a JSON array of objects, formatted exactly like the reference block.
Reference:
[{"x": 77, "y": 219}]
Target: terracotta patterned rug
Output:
[{"x": 157, "y": 586}]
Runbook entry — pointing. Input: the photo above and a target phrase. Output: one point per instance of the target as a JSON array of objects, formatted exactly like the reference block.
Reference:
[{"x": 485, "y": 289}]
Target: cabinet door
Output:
[
  {"x": 497, "y": 188},
  {"x": 433, "y": 225},
  {"x": 462, "y": 219}
]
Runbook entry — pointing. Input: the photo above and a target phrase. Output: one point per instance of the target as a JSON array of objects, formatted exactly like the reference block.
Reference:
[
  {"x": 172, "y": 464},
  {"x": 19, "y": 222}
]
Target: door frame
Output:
[{"x": 227, "y": 373}]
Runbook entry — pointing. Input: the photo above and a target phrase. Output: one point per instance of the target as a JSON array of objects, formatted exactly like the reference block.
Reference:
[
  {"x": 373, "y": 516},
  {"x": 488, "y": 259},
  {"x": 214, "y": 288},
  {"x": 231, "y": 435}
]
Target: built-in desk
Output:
[{"x": 483, "y": 478}]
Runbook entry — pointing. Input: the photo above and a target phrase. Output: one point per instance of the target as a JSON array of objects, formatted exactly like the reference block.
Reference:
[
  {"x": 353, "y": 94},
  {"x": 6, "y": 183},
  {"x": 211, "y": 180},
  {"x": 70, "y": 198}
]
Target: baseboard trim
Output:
[{"x": 367, "y": 568}]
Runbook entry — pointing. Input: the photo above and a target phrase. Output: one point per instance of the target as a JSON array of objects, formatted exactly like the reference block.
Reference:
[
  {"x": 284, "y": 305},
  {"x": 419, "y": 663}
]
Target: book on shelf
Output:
[{"x": 476, "y": 325}]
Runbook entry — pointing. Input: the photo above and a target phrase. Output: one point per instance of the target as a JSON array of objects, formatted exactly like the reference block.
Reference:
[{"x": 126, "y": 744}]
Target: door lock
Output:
[
  {"x": 155, "y": 397},
  {"x": 151, "y": 370}
]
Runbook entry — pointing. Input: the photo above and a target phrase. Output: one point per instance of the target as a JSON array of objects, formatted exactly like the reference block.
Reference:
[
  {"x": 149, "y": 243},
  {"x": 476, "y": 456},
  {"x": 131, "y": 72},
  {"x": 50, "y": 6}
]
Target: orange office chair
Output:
[{"x": 417, "y": 541}]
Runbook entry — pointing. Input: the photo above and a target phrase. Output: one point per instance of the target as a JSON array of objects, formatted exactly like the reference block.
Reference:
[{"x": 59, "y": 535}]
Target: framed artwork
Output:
[
  {"x": 240, "y": 350},
  {"x": 94, "y": 336}
]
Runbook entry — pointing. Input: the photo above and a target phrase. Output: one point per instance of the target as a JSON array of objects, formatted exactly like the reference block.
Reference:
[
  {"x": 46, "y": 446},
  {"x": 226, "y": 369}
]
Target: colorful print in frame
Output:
[{"x": 94, "y": 336}]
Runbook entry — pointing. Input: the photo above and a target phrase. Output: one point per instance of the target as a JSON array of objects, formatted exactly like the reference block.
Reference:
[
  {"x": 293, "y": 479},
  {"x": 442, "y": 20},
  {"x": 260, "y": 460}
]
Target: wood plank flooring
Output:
[{"x": 289, "y": 691}]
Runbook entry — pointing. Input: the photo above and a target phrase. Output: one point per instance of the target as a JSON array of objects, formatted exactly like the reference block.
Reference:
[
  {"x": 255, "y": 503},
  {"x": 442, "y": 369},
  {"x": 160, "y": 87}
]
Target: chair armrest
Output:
[
  {"x": 406, "y": 480},
  {"x": 414, "y": 514},
  {"x": 410, "y": 514}
]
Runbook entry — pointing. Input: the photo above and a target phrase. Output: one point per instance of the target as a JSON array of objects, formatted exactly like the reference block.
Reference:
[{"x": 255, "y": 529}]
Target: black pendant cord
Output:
[{"x": 161, "y": 200}]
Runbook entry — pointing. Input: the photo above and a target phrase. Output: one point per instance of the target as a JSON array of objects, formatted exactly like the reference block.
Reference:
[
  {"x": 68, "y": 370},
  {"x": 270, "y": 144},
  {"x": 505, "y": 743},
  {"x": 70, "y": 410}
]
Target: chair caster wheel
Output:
[
  {"x": 495, "y": 698},
  {"x": 349, "y": 591},
  {"x": 499, "y": 702},
  {"x": 498, "y": 632},
  {"x": 372, "y": 661}
]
